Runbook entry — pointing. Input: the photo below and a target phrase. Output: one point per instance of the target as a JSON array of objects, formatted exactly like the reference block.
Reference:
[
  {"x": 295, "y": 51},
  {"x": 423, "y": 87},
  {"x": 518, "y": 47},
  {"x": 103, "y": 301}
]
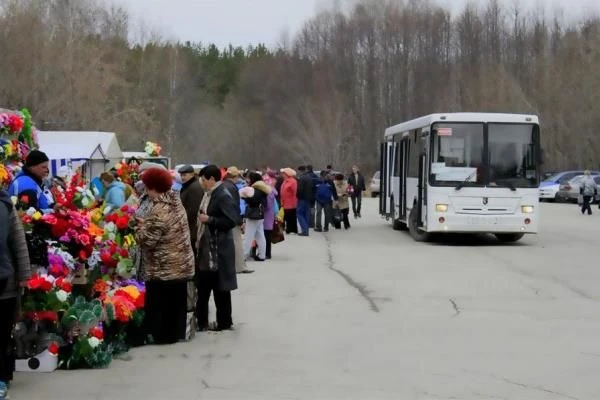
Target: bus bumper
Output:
[{"x": 460, "y": 223}]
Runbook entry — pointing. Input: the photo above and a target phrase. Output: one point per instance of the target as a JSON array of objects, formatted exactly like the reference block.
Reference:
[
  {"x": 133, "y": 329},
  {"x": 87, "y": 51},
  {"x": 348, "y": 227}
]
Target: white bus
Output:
[{"x": 464, "y": 173}]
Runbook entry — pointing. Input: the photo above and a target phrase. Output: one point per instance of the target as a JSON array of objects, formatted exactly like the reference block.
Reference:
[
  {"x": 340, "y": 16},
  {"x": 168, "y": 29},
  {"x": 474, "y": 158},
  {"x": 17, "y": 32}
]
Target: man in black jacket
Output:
[
  {"x": 191, "y": 196},
  {"x": 357, "y": 181},
  {"x": 305, "y": 196}
]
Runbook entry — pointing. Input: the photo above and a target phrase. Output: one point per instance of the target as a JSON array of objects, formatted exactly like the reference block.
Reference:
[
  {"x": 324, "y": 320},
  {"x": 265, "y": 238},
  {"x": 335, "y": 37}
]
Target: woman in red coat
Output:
[{"x": 289, "y": 201}]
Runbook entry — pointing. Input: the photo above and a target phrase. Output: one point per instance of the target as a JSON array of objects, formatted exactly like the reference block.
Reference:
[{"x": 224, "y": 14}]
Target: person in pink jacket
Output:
[{"x": 289, "y": 201}]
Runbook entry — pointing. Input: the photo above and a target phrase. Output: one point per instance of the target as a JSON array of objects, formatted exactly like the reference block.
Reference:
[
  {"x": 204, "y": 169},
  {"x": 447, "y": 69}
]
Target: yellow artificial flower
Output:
[
  {"x": 36, "y": 216},
  {"x": 129, "y": 241},
  {"x": 132, "y": 291}
]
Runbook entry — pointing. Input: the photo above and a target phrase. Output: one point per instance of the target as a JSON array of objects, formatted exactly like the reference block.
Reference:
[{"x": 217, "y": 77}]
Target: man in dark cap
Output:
[
  {"x": 28, "y": 185},
  {"x": 191, "y": 197}
]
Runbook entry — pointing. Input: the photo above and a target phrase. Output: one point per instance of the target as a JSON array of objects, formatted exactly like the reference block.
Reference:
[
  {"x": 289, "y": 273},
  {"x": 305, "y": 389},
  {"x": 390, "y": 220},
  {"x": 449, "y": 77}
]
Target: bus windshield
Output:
[
  {"x": 512, "y": 155},
  {"x": 458, "y": 156}
]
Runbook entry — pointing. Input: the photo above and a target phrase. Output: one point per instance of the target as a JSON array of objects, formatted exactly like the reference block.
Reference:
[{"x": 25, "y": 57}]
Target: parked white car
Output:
[
  {"x": 375, "y": 184},
  {"x": 550, "y": 187}
]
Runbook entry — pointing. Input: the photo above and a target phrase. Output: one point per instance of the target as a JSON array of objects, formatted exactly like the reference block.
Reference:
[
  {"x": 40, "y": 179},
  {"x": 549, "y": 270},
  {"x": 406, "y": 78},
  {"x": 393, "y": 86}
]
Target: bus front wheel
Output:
[
  {"x": 509, "y": 237},
  {"x": 413, "y": 227}
]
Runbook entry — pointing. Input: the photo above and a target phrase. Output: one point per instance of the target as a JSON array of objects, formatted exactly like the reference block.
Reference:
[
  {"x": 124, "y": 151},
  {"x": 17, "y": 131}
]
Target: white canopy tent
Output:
[{"x": 94, "y": 151}]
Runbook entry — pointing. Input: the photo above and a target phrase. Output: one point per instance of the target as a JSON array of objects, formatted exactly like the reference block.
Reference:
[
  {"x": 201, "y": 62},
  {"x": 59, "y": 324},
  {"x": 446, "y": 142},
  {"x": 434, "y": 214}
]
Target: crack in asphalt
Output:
[
  {"x": 456, "y": 308},
  {"x": 362, "y": 290},
  {"x": 511, "y": 266},
  {"x": 523, "y": 385}
]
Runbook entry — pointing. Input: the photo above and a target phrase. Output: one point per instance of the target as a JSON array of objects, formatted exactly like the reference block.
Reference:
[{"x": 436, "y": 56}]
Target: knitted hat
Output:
[
  {"x": 36, "y": 157},
  {"x": 147, "y": 165}
]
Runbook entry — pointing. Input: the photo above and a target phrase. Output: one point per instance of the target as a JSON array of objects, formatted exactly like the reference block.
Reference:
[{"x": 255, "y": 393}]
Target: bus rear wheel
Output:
[
  {"x": 413, "y": 227},
  {"x": 509, "y": 237}
]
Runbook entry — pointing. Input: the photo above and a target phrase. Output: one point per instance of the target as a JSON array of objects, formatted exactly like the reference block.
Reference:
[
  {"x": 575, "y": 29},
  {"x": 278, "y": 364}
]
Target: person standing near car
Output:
[
  {"x": 357, "y": 181},
  {"x": 588, "y": 190}
]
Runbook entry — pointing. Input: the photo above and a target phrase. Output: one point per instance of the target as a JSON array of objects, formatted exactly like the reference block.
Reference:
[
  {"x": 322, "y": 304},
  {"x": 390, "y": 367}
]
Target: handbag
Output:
[
  {"x": 580, "y": 199},
  {"x": 277, "y": 236},
  {"x": 350, "y": 190}
]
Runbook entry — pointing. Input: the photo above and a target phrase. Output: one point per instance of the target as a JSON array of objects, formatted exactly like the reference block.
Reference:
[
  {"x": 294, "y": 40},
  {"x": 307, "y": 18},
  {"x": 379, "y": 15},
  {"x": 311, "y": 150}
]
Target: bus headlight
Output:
[
  {"x": 441, "y": 207},
  {"x": 527, "y": 209}
]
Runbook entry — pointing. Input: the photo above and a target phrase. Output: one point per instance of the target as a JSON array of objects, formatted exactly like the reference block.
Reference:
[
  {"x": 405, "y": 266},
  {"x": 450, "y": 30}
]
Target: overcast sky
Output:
[{"x": 242, "y": 22}]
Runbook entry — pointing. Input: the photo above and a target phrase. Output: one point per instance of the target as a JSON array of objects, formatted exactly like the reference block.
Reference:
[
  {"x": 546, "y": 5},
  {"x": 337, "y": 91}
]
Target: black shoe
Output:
[
  {"x": 326, "y": 230},
  {"x": 318, "y": 230},
  {"x": 257, "y": 258},
  {"x": 303, "y": 234}
]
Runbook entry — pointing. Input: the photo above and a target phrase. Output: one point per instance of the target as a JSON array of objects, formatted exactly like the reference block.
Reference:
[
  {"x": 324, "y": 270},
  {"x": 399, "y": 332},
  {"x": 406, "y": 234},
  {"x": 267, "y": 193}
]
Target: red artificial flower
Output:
[
  {"x": 125, "y": 208},
  {"x": 53, "y": 348},
  {"x": 83, "y": 255},
  {"x": 49, "y": 316},
  {"x": 111, "y": 218},
  {"x": 27, "y": 219},
  {"x": 122, "y": 222},
  {"x": 124, "y": 253},
  {"x": 24, "y": 199},
  {"x": 59, "y": 228},
  {"x": 113, "y": 249},
  {"x": 15, "y": 123},
  {"x": 108, "y": 260},
  {"x": 57, "y": 270},
  {"x": 35, "y": 282},
  {"x": 46, "y": 286},
  {"x": 84, "y": 239},
  {"x": 49, "y": 219},
  {"x": 97, "y": 332},
  {"x": 140, "y": 301},
  {"x": 64, "y": 285}
]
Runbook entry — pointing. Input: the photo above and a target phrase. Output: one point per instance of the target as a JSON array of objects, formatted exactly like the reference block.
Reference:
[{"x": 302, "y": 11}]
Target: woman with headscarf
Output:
[
  {"x": 164, "y": 238},
  {"x": 289, "y": 200}
]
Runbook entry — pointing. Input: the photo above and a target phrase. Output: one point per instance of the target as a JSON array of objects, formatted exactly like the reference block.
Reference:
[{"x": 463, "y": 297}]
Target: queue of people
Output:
[
  {"x": 191, "y": 242},
  {"x": 319, "y": 201}
]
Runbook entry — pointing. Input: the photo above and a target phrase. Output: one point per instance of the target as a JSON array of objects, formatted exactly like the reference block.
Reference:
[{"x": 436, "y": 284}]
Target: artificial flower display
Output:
[{"x": 152, "y": 149}]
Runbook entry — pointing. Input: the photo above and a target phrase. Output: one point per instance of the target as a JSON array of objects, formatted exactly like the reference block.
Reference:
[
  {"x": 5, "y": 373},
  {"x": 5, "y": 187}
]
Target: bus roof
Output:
[{"x": 427, "y": 120}]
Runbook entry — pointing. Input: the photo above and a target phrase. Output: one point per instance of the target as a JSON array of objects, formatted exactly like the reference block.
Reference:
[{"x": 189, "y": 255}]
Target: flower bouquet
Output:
[
  {"x": 124, "y": 306},
  {"x": 152, "y": 149},
  {"x": 128, "y": 172},
  {"x": 75, "y": 195},
  {"x": 45, "y": 299}
]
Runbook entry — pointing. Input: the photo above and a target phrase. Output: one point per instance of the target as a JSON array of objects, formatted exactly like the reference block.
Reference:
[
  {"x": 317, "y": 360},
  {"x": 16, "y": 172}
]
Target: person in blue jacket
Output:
[
  {"x": 114, "y": 195},
  {"x": 28, "y": 185}
]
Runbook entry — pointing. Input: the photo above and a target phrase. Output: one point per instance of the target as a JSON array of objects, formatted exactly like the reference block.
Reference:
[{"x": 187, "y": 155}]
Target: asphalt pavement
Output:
[{"x": 370, "y": 314}]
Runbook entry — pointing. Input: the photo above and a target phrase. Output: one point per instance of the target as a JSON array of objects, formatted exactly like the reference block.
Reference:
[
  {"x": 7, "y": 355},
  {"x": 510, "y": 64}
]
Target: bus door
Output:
[
  {"x": 393, "y": 180},
  {"x": 383, "y": 191},
  {"x": 423, "y": 148},
  {"x": 402, "y": 168},
  {"x": 387, "y": 168}
]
